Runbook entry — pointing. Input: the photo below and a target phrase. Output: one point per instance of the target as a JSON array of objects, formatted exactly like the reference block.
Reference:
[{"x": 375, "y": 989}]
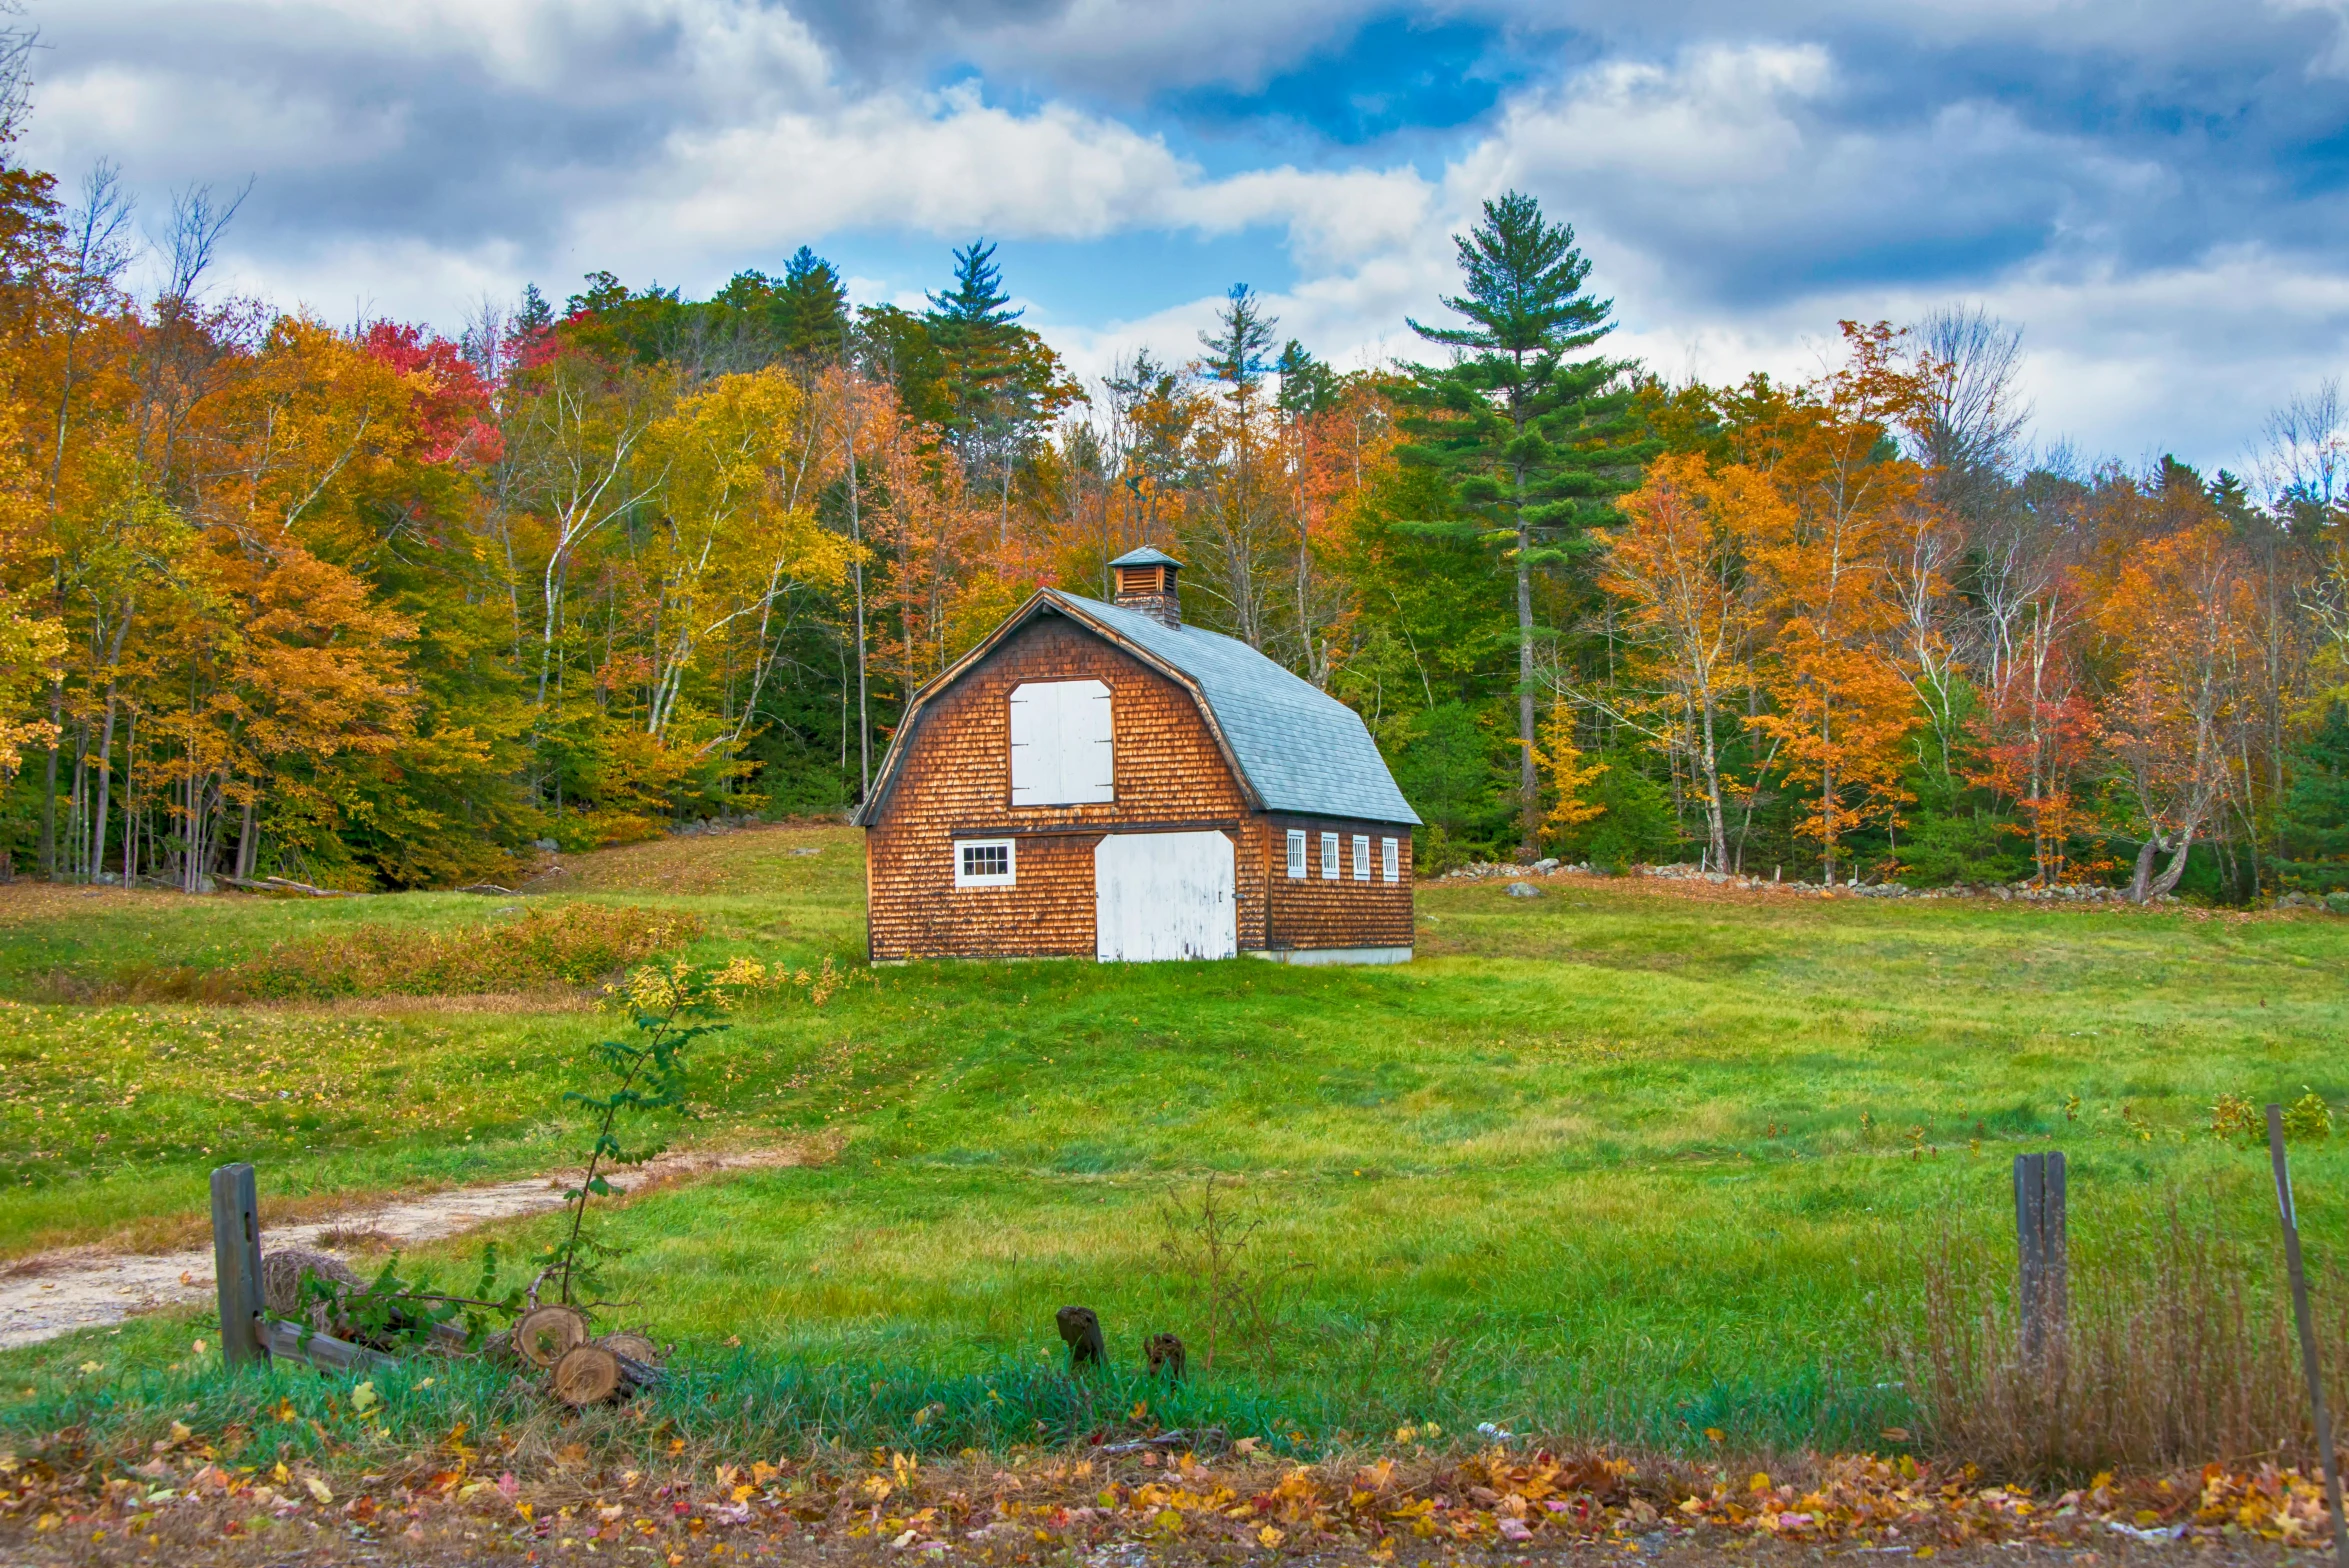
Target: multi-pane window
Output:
[
  {"x": 1329, "y": 857},
  {"x": 983, "y": 863},
  {"x": 1391, "y": 859},
  {"x": 1361, "y": 857},
  {"x": 1296, "y": 854}
]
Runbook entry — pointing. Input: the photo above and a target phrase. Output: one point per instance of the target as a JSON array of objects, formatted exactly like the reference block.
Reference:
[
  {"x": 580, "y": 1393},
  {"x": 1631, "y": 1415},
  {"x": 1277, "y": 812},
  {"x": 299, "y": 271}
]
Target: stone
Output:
[
  {"x": 547, "y": 844},
  {"x": 1546, "y": 865},
  {"x": 1524, "y": 890}
]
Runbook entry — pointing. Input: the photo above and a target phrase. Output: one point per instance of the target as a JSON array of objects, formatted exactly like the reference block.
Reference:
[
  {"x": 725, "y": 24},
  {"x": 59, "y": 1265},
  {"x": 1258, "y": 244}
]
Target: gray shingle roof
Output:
[
  {"x": 1146, "y": 556},
  {"x": 1301, "y": 749}
]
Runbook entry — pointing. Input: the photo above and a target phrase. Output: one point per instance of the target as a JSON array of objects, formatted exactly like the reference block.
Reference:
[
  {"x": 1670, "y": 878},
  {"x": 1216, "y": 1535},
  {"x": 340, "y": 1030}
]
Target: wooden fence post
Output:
[
  {"x": 236, "y": 1264},
  {"x": 2042, "y": 1251},
  {"x": 2308, "y": 1358}
]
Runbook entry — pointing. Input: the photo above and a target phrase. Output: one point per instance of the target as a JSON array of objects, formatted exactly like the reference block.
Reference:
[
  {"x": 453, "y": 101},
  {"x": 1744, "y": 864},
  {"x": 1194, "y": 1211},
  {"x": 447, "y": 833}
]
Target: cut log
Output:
[
  {"x": 292, "y": 1342},
  {"x": 590, "y": 1374},
  {"x": 543, "y": 1334},
  {"x": 635, "y": 1346},
  {"x": 587, "y": 1375}
]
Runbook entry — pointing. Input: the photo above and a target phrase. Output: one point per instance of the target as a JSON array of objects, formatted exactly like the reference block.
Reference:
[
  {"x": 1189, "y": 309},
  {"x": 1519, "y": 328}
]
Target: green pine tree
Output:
[
  {"x": 812, "y": 305},
  {"x": 1534, "y": 445},
  {"x": 2312, "y": 835},
  {"x": 977, "y": 335}
]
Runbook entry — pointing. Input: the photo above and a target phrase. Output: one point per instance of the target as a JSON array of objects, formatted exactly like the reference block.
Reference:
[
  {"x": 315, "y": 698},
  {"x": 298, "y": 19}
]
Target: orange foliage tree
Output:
[{"x": 1842, "y": 706}]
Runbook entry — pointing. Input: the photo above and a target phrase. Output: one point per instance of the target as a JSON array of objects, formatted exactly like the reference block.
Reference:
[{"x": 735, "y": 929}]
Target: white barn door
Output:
[{"x": 1164, "y": 895}]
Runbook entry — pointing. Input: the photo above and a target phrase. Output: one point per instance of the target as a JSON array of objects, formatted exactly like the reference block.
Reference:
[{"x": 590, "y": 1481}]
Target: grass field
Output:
[{"x": 1618, "y": 1160}]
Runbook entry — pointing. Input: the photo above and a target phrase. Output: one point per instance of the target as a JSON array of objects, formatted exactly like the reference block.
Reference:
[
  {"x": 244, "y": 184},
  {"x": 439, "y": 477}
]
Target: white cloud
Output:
[{"x": 1740, "y": 185}]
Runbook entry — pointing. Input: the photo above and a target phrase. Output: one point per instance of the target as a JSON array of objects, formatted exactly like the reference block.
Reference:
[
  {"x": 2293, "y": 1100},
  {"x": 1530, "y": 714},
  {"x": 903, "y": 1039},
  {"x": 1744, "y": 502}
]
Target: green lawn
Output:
[{"x": 1614, "y": 1159}]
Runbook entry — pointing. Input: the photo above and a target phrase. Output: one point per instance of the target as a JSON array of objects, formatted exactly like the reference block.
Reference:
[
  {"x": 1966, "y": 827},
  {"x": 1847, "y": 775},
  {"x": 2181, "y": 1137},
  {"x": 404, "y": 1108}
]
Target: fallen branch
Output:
[
  {"x": 286, "y": 885},
  {"x": 488, "y": 888},
  {"x": 1207, "y": 1437}
]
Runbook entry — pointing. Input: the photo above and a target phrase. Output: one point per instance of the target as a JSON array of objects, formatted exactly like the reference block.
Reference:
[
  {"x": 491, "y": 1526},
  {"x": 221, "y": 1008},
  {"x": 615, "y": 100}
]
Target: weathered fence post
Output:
[
  {"x": 2041, "y": 1249},
  {"x": 236, "y": 1263},
  {"x": 2308, "y": 1360}
]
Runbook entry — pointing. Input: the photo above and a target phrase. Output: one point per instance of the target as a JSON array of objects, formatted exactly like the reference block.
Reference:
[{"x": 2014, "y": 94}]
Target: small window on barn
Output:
[
  {"x": 1361, "y": 857},
  {"x": 1296, "y": 854},
  {"x": 1329, "y": 857},
  {"x": 1390, "y": 859},
  {"x": 984, "y": 862},
  {"x": 1061, "y": 753}
]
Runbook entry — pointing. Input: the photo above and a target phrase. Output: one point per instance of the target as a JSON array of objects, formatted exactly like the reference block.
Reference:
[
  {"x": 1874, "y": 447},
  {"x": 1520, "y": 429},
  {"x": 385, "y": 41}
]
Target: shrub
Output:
[
  {"x": 2234, "y": 1117},
  {"x": 2308, "y": 1118},
  {"x": 568, "y": 944}
]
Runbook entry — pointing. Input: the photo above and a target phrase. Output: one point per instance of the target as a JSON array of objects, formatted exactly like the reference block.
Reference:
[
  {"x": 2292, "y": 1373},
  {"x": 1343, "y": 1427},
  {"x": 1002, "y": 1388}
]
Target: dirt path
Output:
[{"x": 53, "y": 1293}]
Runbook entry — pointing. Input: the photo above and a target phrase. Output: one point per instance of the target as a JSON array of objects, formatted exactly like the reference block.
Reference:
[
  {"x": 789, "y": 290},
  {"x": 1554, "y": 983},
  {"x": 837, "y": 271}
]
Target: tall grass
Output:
[
  {"x": 2179, "y": 1348},
  {"x": 574, "y": 944}
]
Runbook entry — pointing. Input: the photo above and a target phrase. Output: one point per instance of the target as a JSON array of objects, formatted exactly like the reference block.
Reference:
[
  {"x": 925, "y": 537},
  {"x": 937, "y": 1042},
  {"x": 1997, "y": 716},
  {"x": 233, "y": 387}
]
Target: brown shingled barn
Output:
[{"x": 1102, "y": 779}]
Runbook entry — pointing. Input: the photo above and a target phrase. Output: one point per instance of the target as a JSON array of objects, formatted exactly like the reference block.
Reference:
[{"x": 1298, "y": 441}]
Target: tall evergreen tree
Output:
[
  {"x": 2312, "y": 833},
  {"x": 1308, "y": 385},
  {"x": 813, "y": 306},
  {"x": 1239, "y": 520},
  {"x": 1533, "y": 446},
  {"x": 1001, "y": 382},
  {"x": 975, "y": 331}
]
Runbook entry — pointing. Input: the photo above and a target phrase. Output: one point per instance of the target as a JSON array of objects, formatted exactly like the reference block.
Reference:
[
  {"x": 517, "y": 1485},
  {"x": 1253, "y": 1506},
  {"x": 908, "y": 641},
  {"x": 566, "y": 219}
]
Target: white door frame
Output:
[{"x": 1160, "y": 896}]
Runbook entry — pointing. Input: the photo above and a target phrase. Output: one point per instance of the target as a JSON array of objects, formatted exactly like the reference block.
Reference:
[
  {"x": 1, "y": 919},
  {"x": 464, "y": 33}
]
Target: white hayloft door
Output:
[
  {"x": 1060, "y": 744},
  {"x": 1164, "y": 895}
]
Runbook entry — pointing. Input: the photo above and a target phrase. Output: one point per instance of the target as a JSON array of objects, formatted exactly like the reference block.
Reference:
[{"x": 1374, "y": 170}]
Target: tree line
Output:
[{"x": 369, "y": 605}]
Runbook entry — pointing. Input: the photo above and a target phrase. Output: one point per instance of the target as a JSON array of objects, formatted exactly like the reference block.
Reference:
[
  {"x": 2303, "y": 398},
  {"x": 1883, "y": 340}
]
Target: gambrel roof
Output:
[{"x": 1293, "y": 747}]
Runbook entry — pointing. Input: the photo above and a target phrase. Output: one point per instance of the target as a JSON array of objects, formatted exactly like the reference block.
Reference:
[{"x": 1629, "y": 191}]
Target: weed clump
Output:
[{"x": 2178, "y": 1348}]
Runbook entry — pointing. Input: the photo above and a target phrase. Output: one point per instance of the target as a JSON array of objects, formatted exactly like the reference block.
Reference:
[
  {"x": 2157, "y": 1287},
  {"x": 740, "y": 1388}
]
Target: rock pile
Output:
[{"x": 2025, "y": 892}]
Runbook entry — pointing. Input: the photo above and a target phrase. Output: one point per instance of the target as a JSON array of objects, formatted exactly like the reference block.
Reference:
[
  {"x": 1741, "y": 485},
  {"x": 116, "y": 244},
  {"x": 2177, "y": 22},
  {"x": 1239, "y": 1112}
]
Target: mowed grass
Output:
[{"x": 1617, "y": 1159}]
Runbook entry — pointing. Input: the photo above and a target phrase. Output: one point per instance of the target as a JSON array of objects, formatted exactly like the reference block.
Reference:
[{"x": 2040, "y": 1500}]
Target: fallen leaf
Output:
[{"x": 318, "y": 1489}]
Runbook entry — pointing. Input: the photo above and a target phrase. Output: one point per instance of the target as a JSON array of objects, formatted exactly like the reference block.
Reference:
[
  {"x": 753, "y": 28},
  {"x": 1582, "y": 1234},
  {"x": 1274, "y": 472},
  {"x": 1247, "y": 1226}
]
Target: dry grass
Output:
[
  {"x": 494, "y": 965},
  {"x": 2179, "y": 1348},
  {"x": 569, "y": 944}
]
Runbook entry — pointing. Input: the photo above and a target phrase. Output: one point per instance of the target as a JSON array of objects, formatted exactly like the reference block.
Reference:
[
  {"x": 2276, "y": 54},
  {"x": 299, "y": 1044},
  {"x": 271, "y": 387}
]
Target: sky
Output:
[{"x": 2151, "y": 190}]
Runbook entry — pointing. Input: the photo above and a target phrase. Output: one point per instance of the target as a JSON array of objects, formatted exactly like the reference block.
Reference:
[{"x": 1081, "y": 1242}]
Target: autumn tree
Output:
[
  {"x": 1841, "y": 703},
  {"x": 1678, "y": 567},
  {"x": 2179, "y": 621}
]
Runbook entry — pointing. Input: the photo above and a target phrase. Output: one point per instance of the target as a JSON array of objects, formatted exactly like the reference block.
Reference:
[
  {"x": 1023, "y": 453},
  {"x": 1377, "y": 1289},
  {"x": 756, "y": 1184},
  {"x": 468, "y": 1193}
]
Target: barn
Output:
[{"x": 1101, "y": 779}]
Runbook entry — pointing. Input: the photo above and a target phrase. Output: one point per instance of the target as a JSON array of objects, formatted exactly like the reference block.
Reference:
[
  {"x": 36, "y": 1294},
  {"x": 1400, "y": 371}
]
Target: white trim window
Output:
[
  {"x": 1390, "y": 857},
  {"x": 1296, "y": 854},
  {"x": 985, "y": 862},
  {"x": 1329, "y": 857},
  {"x": 1361, "y": 857}
]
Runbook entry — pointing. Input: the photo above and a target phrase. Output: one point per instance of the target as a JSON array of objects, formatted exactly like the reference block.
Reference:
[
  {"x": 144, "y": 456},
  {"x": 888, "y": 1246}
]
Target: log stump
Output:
[
  {"x": 587, "y": 1375},
  {"x": 1080, "y": 1329},
  {"x": 543, "y": 1335},
  {"x": 591, "y": 1374},
  {"x": 632, "y": 1345}
]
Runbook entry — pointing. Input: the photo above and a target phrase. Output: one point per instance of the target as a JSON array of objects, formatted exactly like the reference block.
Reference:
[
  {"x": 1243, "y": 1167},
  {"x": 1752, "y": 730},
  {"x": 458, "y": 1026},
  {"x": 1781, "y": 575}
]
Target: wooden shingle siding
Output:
[
  {"x": 956, "y": 780},
  {"x": 1310, "y": 912}
]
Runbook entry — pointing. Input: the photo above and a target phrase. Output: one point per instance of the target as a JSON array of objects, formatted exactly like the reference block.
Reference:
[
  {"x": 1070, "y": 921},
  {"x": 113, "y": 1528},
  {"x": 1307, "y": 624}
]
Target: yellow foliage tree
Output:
[{"x": 1561, "y": 761}]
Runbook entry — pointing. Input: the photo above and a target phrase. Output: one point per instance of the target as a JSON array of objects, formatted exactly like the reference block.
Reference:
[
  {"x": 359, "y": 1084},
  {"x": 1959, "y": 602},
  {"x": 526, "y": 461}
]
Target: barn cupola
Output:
[{"x": 1146, "y": 582}]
